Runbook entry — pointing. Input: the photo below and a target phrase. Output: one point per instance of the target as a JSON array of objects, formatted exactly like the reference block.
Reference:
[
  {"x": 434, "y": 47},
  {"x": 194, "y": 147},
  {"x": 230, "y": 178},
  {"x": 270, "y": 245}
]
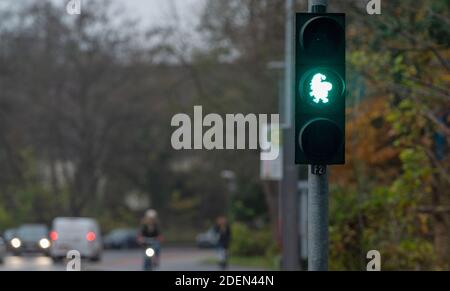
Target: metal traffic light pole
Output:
[
  {"x": 289, "y": 192},
  {"x": 317, "y": 197}
]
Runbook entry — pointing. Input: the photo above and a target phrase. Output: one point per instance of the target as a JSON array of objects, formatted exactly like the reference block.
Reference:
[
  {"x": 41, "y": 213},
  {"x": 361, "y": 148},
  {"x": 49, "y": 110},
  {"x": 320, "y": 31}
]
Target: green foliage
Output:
[
  {"x": 5, "y": 218},
  {"x": 251, "y": 242},
  {"x": 32, "y": 201},
  {"x": 385, "y": 221},
  {"x": 393, "y": 206},
  {"x": 249, "y": 205}
]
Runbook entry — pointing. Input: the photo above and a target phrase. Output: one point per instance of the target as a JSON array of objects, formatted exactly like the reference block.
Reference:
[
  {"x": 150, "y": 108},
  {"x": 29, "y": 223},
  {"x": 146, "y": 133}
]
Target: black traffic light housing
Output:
[{"x": 320, "y": 88}]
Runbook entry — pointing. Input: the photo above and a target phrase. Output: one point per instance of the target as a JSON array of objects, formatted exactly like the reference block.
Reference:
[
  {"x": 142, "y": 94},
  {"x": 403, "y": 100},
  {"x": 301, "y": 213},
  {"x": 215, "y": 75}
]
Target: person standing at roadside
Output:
[{"x": 223, "y": 231}]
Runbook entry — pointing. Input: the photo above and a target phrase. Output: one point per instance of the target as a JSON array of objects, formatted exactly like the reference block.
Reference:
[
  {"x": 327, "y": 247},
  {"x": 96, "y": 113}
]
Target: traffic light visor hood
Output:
[
  {"x": 321, "y": 36},
  {"x": 321, "y": 138}
]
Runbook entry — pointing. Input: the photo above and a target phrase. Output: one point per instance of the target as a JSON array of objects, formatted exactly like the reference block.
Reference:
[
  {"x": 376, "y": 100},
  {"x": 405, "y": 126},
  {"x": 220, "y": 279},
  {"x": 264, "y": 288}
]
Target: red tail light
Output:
[
  {"x": 90, "y": 236},
  {"x": 53, "y": 235}
]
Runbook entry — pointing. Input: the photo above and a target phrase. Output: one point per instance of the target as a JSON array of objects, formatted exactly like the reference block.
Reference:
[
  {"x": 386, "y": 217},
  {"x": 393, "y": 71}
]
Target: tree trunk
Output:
[{"x": 441, "y": 240}]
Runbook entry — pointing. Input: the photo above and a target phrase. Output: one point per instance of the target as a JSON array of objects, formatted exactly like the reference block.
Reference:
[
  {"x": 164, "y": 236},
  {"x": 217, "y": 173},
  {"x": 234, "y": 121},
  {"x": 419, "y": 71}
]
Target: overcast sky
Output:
[
  {"x": 151, "y": 12},
  {"x": 164, "y": 11}
]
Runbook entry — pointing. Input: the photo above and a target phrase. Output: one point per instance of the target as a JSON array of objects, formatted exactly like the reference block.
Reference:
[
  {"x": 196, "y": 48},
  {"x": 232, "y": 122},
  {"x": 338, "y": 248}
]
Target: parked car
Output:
[
  {"x": 207, "y": 239},
  {"x": 2, "y": 250},
  {"x": 122, "y": 238},
  {"x": 30, "y": 238},
  {"x": 76, "y": 233}
]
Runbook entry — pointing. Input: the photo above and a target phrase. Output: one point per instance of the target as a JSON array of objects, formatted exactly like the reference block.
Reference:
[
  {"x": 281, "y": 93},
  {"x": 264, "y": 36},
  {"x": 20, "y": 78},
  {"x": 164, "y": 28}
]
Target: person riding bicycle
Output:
[{"x": 150, "y": 230}]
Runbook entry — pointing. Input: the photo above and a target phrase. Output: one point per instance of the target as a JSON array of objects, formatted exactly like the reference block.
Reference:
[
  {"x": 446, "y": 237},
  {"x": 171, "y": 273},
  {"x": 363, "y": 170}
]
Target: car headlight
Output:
[
  {"x": 149, "y": 252},
  {"x": 16, "y": 243},
  {"x": 44, "y": 243}
]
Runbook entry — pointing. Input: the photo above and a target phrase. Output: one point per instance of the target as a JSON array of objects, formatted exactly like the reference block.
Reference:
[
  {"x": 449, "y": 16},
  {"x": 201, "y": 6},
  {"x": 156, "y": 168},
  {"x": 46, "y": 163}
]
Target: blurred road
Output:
[{"x": 173, "y": 259}]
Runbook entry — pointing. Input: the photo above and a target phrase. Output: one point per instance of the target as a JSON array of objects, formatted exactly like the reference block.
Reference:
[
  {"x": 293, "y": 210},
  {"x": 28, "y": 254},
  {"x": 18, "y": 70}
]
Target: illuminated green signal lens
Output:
[{"x": 320, "y": 88}]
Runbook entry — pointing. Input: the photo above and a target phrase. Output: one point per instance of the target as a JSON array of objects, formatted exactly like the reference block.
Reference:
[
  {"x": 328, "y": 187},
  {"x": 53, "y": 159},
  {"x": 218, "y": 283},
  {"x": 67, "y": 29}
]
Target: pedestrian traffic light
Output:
[{"x": 320, "y": 88}]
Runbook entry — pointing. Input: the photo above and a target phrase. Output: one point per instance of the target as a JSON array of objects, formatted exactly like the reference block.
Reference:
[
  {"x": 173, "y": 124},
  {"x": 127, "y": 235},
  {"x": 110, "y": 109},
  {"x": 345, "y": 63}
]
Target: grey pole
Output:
[
  {"x": 289, "y": 198},
  {"x": 317, "y": 218},
  {"x": 318, "y": 198},
  {"x": 318, "y": 6}
]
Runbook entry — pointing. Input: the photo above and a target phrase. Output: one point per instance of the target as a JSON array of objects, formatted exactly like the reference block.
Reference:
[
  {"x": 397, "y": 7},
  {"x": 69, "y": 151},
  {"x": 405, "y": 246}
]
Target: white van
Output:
[{"x": 75, "y": 233}]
